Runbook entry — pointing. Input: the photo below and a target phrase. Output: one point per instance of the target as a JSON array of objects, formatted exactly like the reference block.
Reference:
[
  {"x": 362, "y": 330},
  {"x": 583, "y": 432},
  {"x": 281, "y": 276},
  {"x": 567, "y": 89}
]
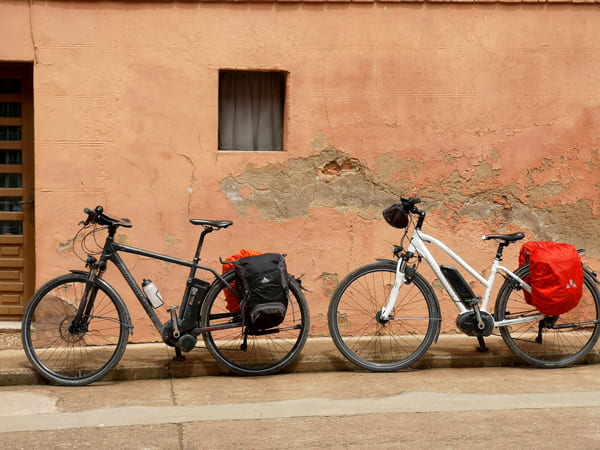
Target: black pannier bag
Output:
[{"x": 263, "y": 284}]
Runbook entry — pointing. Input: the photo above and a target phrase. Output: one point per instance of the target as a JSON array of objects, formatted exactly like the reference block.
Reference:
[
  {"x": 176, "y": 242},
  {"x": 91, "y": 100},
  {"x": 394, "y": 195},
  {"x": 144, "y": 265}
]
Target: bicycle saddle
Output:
[
  {"x": 504, "y": 237},
  {"x": 212, "y": 223}
]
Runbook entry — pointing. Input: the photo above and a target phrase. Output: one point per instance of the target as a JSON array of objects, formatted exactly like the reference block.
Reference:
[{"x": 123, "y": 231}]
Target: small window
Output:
[{"x": 251, "y": 108}]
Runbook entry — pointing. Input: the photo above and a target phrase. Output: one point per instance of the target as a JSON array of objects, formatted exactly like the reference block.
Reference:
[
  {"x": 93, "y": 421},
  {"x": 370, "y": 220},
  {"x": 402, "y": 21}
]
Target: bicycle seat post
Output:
[
  {"x": 501, "y": 246},
  {"x": 196, "y": 260}
]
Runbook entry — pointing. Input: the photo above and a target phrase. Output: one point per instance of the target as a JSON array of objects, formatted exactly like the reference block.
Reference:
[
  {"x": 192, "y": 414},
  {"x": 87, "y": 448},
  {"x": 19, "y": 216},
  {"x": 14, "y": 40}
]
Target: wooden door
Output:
[{"x": 17, "y": 250}]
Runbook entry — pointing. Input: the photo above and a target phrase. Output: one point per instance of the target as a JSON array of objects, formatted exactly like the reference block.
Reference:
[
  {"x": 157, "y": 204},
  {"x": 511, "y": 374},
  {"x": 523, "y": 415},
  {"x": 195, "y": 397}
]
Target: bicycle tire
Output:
[
  {"x": 74, "y": 358},
  {"x": 383, "y": 346},
  {"x": 265, "y": 354},
  {"x": 559, "y": 347}
]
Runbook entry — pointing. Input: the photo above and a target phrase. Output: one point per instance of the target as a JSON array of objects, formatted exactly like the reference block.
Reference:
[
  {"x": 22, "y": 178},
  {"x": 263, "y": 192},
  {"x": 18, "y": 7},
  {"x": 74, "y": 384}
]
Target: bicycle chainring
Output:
[{"x": 467, "y": 323}]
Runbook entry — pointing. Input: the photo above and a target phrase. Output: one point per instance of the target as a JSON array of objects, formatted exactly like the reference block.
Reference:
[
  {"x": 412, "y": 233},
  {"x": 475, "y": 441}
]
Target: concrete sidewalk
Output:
[{"x": 152, "y": 361}]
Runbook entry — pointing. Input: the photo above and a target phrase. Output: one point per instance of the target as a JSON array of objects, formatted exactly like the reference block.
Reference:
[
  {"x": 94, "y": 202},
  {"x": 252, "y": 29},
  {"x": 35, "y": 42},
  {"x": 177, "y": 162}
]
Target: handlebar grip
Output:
[
  {"x": 93, "y": 215},
  {"x": 409, "y": 203}
]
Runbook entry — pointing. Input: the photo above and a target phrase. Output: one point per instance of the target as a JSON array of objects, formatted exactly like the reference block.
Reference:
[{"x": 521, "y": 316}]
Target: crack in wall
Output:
[{"x": 192, "y": 179}]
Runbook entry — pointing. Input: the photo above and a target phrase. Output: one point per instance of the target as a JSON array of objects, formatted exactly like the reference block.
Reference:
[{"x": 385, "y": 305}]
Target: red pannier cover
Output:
[
  {"x": 556, "y": 276},
  {"x": 233, "y": 304}
]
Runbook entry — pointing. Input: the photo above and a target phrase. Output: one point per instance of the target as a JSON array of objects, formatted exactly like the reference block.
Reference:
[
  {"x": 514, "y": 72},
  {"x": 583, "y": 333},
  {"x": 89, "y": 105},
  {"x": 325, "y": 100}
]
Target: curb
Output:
[{"x": 155, "y": 361}]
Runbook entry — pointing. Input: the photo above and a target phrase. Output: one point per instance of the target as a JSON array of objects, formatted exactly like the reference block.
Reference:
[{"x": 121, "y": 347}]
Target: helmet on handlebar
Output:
[{"x": 396, "y": 216}]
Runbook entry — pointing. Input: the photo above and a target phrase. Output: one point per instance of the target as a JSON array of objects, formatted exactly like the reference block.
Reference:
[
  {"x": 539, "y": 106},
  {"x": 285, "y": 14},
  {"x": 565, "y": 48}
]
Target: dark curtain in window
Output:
[{"x": 251, "y": 106}]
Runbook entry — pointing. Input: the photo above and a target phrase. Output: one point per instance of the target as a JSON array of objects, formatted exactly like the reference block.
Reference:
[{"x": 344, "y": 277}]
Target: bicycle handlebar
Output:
[
  {"x": 97, "y": 215},
  {"x": 409, "y": 204}
]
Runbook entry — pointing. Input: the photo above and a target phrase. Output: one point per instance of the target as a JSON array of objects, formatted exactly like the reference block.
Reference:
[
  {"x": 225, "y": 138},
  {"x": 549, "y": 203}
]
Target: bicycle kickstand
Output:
[
  {"x": 482, "y": 347},
  {"x": 178, "y": 355}
]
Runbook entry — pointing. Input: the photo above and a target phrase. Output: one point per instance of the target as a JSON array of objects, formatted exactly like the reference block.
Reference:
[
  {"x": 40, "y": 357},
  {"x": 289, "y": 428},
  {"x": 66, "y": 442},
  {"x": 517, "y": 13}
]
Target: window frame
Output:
[{"x": 280, "y": 145}]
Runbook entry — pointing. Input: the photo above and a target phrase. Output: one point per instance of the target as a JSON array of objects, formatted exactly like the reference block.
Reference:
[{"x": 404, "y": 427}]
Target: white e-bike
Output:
[{"x": 385, "y": 315}]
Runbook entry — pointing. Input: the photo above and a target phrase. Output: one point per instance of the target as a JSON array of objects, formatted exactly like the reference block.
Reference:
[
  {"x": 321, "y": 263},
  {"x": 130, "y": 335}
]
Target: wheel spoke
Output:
[
  {"x": 557, "y": 343},
  {"x": 71, "y": 355},
  {"x": 264, "y": 352},
  {"x": 378, "y": 345}
]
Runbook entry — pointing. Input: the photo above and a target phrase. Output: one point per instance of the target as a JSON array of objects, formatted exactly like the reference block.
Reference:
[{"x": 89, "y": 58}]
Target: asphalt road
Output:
[{"x": 489, "y": 408}]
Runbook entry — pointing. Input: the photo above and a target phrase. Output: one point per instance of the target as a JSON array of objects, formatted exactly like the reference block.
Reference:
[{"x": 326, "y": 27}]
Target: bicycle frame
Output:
[
  {"x": 418, "y": 245},
  {"x": 111, "y": 253}
]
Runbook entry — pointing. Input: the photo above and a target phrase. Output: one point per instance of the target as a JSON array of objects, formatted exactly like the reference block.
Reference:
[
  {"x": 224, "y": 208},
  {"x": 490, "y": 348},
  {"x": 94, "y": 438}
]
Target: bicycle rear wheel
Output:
[
  {"x": 74, "y": 355},
  {"x": 266, "y": 353},
  {"x": 367, "y": 341},
  {"x": 549, "y": 342}
]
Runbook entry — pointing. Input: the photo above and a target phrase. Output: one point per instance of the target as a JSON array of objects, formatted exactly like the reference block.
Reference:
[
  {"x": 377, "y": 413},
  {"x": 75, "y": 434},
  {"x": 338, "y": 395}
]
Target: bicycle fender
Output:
[
  {"x": 108, "y": 287},
  {"x": 408, "y": 276},
  {"x": 78, "y": 272},
  {"x": 591, "y": 273}
]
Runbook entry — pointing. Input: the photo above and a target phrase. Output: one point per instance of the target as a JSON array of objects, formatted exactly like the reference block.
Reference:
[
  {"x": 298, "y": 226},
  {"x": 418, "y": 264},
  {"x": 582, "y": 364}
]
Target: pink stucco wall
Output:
[{"x": 487, "y": 111}]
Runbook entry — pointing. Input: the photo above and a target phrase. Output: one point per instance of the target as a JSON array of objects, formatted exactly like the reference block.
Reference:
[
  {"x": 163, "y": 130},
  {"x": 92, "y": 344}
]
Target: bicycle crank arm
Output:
[{"x": 173, "y": 311}]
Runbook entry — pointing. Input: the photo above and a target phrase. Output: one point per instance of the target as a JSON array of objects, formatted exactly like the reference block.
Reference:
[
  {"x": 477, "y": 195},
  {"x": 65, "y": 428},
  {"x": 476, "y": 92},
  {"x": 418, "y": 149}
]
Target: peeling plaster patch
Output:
[
  {"x": 594, "y": 161},
  {"x": 330, "y": 179},
  {"x": 171, "y": 239},
  {"x": 477, "y": 209},
  {"x": 330, "y": 282},
  {"x": 338, "y": 168},
  {"x": 122, "y": 239},
  {"x": 485, "y": 171},
  {"x": 539, "y": 194},
  {"x": 62, "y": 246},
  {"x": 318, "y": 142},
  {"x": 334, "y": 179},
  {"x": 495, "y": 154},
  {"x": 230, "y": 188},
  {"x": 574, "y": 224},
  {"x": 451, "y": 158},
  {"x": 391, "y": 167}
]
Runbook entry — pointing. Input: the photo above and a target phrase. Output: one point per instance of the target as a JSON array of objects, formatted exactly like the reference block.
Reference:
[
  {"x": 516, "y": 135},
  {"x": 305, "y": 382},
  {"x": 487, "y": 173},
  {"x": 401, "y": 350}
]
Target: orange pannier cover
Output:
[{"x": 555, "y": 276}]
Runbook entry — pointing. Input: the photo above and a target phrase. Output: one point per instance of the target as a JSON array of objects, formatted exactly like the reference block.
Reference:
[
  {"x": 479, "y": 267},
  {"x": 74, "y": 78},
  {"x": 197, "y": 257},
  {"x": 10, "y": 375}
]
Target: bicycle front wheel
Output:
[
  {"x": 371, "y": 343},
  {"x": 263, "y": 353},
  {"x": 74, "y": 355},
  {"x": 556, "y": 341}
]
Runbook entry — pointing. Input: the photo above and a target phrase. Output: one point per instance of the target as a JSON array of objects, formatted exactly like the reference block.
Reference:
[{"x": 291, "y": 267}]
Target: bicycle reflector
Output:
[{"x": 396, "y": 216}]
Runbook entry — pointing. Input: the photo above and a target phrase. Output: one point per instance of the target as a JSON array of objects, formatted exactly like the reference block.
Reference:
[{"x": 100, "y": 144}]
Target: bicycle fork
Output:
[
  {"x": 79, "y": 323},
  {"x": 386, "y": 311}
]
